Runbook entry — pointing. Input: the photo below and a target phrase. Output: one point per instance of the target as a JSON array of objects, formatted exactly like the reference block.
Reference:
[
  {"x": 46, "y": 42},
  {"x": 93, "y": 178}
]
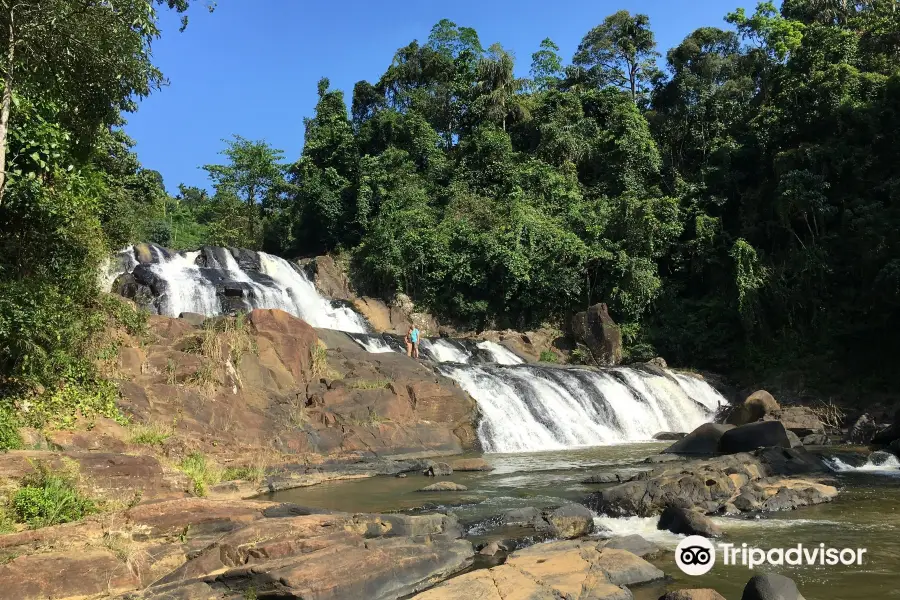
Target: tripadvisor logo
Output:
[{"x": 696, "y": 555}]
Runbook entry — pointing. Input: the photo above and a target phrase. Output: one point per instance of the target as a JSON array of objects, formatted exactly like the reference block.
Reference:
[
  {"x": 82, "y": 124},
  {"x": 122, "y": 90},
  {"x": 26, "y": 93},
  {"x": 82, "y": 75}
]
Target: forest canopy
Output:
[{"x": 734, "y": 200}]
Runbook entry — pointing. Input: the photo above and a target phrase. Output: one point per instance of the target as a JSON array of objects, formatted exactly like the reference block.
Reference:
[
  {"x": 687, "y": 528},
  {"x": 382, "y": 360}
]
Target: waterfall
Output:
[
  {"x": 214, "y": 281},
  {"x": 532, "y": 408},
  {"x": 524, "y": 407}
]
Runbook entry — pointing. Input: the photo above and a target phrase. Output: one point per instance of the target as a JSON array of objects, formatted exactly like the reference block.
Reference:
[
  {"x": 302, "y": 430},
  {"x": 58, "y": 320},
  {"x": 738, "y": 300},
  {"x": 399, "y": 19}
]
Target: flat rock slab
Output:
[
  {"x": 471, "y": 464},
  {"x": 552, "y": 571},
  {"x": 66, "y": 575}
]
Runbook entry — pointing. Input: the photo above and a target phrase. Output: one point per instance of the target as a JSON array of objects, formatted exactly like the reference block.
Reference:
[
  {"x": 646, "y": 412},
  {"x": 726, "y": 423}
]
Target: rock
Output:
[
  {"x": 444, "y": 486},
  {"x": 442, "y": 469},
  {"x": 699, "y": 594},
  {"x": 687, "y": 522},
  {"x": 632, "y": 543},
  {"x": 659, "y": 361},
  {"x": 401, "y": 475},
  {"x": 771, "y": 587},
  {"x": 703, "y": 440},
  {"x": 328, "y": 277},
  {"x": 863, "y": 430},
  {"x": 881, "y": 458},
  {"x": 794, "y": 439},
  {"x": 669, "y": 435},
  {"x": 816, "y": 439},
  {"x": 596, "y": 329},
  {"x": 801, "y": 420},
  {"x": 195, "y": 319},
  {"x": 292, "y": 339},
  {"x": 552, "y": 571},
  {"x": 524, "y": 517},
  {"x": 490, "y": 549},
  {"x": 570, "y": 521},
  {"x": 752, "y": 436},
  {"x": 615, "y": 477},
  {"x": 88, "y": 572},
  {"x": 756, "y": 406},
  {"x": 470, "y": 464},
  {"x": 895, "y": 447},
  {"x": 887, "y": 435}
]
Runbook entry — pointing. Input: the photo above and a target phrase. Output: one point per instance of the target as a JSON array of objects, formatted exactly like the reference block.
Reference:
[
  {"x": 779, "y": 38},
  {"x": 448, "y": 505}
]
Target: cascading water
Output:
[
  {"x": 211, "y": 281},
  {"x": 533, "y": 408},
  {"x": 524, "y": 407}
]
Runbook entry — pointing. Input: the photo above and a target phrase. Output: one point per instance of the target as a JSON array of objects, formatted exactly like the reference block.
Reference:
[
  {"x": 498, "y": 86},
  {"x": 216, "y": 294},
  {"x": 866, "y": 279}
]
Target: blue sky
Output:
[{"x": 251, "y": 67}]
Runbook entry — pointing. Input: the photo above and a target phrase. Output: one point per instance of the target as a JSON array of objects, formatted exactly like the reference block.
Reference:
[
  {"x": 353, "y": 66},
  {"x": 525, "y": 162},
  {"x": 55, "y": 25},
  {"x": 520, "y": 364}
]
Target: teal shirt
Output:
[{"x": 414, "y": 336}]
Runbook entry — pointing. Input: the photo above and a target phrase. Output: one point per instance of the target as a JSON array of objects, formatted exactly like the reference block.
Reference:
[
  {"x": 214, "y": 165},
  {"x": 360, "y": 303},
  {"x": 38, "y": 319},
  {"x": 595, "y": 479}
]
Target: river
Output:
[{"x": 864, "y": 515}]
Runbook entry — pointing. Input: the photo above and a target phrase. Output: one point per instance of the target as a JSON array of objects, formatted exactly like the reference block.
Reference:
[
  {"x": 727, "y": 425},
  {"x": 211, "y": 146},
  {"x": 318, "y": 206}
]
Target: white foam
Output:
[
  {"x": 501, "y": 355},
  {"x": 642, "y": 526},
  {"x": 445, "y": 351},
  {"x": 887, "y": 465}
]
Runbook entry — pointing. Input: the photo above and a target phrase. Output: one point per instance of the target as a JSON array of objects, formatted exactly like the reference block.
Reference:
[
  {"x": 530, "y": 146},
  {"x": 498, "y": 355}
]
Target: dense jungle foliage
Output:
[{"x": 736, "y": 201}]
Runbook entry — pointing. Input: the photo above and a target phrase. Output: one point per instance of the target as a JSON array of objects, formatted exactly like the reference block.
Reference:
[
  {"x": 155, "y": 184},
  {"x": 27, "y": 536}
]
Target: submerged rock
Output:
[
  {"x": 669, "y": 435},
  {"x": 444, "y": 486},
  {"x": 471, "y": 464},
  {"x": 632, "y": 543},
  {"x": 771, "y": 587}
]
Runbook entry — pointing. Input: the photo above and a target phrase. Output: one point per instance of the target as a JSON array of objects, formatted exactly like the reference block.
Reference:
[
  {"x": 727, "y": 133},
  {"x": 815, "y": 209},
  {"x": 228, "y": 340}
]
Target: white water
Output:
[
  {"x": 534, "y": 408},
  {"x": 373, "y": 344},
  {"x": 642, "y": 526},
  {"x": 188, "y": 289},
  {"x": 502, "y": 356},
  {"x": 878, "y": 463},
  {"x": 445, "y": 351}
]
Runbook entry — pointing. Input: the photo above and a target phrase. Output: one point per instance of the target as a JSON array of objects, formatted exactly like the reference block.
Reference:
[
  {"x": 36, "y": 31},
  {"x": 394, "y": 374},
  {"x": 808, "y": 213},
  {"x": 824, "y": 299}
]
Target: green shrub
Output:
[
  {"x": 150, "y": 435},
  {"x": 9, "y": 430},
  {"x": 47, "y": 498},
  {"x": 125, "y": 314},
  {"x": 549, "y": 356},
  {"x": 201, "y": 473}
]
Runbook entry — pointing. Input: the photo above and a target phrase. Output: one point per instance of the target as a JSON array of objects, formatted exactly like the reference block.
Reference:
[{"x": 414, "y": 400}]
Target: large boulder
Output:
[
  {"x": 597, "y": 330},
  {"x": 687, "y": 522},
  {"x": 292, "y": 339},
  {"x": 754, "y": 435},
  {"x": 702, "y": 441},
  {"x": 801, "y": 420},
  {"x": 471, "y": 464},
  {"x": 632, "y": 543},
  {"x": 570, "y": 521},
  {"x": 328, "y": 276},
  {"x": 863, "y": 430},
  {"x": 771, "y": 587},
  {"x": 756, "y": 406}
]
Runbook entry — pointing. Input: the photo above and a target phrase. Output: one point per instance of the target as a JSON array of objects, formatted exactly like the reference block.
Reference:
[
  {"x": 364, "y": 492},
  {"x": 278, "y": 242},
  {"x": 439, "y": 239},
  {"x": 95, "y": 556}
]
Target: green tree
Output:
[
  {"x": 546, "y": 66},
  {"x": 255, "y": 174},
  {"x": 621, "y": 52}
]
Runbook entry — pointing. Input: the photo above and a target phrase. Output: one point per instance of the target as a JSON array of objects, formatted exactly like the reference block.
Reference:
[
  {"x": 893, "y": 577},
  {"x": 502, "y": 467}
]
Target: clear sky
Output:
[{"x": 251, "y": 67}]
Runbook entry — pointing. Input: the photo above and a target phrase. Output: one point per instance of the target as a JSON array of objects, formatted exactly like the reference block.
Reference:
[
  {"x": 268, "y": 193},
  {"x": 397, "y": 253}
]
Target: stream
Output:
[{"x": 864, "y": 515}]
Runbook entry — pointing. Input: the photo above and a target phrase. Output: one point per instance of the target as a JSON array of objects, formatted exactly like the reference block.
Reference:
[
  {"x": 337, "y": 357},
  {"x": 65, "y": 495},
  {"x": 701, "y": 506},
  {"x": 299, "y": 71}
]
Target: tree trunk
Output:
[{"x": 6, "y": 105}]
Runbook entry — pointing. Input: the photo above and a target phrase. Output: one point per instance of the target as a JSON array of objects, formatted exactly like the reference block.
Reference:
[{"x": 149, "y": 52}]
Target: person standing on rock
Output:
[
  {"x": 414, "y": 338},
  {"x": 409, "y": 342}
]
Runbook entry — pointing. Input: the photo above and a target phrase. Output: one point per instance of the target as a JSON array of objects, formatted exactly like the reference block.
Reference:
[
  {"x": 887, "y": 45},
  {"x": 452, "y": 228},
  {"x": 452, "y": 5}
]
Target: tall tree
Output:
[
  {"x": 621, "y": 52},
  {"x": 497, "y": 85},
  {"x": 254, "y": 173},
  {"x": 546, "y": 66}
]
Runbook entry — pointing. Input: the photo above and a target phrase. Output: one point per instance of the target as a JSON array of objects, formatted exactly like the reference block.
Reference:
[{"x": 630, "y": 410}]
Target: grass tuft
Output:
[
  {"x": 49, "y": 498},
  {"x": 153, "y": 434},
  {"x": 201, "y": 472}
]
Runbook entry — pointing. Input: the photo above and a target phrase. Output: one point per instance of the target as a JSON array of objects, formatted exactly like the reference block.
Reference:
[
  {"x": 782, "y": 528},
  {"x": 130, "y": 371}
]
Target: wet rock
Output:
[
  {"x": 756, "y": 406},
  {"x": 658, "y": 361},
  {"x": 881, "y": 458},
  {"x": 863, "y": 430},
  {"x": 490, "y": 549},
  {"x": 794, "y": 439},
  {"x": 438, "y": 470},
  {"x": 699, "y": 594},
  {"x": 688, "y": 522},
  {"x": 771, "y": 587},
  {"x": 669, "y": 435},
  {"x": 597, "y": 330},
  {"x": 444, "y": 486},
  {"x": 702, "y": 441},
  {"x": 471, "y": 464},
  {"x": 752, "y": 436},
  {"x": 524, "y": 517},
  {"x": 632, "y": 543},
  {"x": 614, "y": 477},
  {"x": 570, "y": 521}
]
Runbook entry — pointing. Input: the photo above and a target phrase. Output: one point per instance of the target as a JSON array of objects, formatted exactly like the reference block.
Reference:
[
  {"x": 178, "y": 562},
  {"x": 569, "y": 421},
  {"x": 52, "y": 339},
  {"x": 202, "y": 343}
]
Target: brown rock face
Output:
[
  {"x": 66, "y": 575},
  {"x": 552, "y": 571},
  {"x": 292, "y": 339},
  {"x": 597, "y": 330}
]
